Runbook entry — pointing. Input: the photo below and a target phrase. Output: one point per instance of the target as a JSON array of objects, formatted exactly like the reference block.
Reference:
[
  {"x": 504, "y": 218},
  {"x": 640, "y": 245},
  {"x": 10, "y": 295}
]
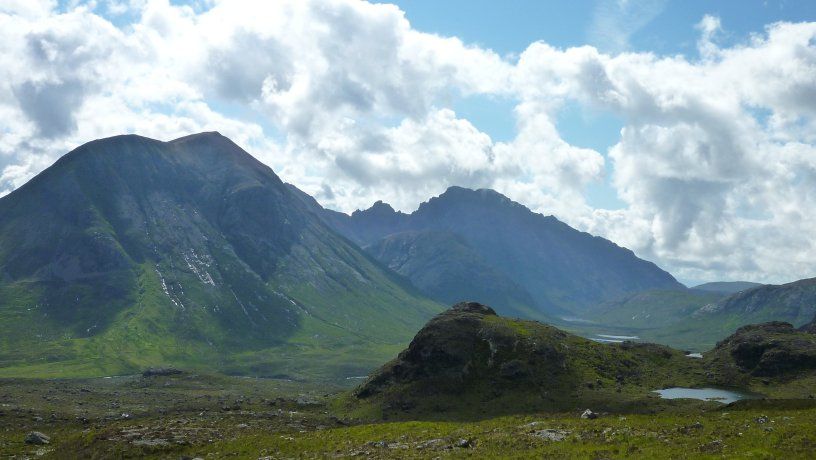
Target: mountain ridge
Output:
[{"x": 563, "y": 270}]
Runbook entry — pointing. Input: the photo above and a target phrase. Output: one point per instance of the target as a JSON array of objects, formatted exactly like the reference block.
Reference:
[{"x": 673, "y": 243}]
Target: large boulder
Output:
[{"x": 37, "y": 438}]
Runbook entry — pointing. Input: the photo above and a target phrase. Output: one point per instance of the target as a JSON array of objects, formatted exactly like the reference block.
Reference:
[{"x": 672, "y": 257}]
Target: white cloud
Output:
[
  {"x": 707, "y": 181},
  {"x": 716, "y": 161}
]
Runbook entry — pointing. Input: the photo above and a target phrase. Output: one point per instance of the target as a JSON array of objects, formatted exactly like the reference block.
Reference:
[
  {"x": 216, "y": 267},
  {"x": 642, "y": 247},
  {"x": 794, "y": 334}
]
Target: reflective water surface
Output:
[{"x": 705, "y": 394}]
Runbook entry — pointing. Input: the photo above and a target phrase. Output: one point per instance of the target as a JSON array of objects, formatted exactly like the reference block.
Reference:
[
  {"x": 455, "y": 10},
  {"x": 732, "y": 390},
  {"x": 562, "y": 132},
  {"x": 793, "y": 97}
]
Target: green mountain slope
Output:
[
  {"x": 726, "y": 287},
  {"x": 792, "y": 302},
  {"x": 654, "y": 309},
  {"x": 697, "y": 319},
  {"x": 130, "y": 252}
]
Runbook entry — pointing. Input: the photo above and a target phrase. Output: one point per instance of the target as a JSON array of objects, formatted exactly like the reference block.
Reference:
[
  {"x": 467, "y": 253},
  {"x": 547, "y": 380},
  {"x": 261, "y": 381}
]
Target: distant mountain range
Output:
[
  {"x": 480, "y": 245},
  {"x": 699, "y": 318},
  {"x": 792, "y": 302}
]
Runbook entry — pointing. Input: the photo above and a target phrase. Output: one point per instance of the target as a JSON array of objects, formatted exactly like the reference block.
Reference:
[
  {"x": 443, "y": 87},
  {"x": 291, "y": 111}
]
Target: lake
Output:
[{"x": 705, "y": 394}]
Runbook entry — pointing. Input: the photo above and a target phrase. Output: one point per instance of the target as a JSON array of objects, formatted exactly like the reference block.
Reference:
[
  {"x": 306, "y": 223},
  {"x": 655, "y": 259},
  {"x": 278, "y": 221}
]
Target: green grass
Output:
[
  {"x": 152, "y": 331},
  {"x": 212, "y": 416}
]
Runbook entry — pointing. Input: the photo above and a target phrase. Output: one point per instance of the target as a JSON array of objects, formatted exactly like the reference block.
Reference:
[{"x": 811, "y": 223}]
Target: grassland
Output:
[{"x": 212, "y": 416}]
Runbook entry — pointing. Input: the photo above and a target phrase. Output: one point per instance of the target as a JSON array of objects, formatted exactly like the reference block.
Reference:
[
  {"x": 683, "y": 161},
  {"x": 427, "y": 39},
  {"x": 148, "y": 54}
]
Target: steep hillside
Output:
[
  {"x": 793, "y": 302},
  {"x": 469, "y": 360},
  {"x": 654, "y": 309},
  {"x": 130, "y": 252},
  {"x": 442, "y": 265},
  {"x": 809, "y": 327},
  {"x": 697, "y": 319},
  {"x": 726, "y": 287},
  {"x": 563, "y": 271}
]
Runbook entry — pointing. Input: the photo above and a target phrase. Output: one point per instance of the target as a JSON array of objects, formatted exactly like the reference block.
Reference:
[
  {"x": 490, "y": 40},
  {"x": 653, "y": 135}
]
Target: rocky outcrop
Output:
[
  {"x": 774, "y": 349},
  {"x": 469, "y": 358}
]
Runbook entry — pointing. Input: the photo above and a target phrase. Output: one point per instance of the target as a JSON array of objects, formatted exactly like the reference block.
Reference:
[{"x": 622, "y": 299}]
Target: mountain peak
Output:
[
  {"x": 378, "y": 209},
  {"x": 199, "y": 136},
  {"x": 456, "y": 195}
]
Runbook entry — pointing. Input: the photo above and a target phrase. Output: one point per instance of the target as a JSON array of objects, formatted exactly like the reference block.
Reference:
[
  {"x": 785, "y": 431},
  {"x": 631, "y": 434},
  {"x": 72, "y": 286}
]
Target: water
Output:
[
  {"x": 705, "y": 394},
  {"x": 605, "y": 338}
]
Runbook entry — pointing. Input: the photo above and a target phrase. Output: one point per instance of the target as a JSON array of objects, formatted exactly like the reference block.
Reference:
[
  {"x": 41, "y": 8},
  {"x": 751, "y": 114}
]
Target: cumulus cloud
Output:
[{"x": 716, "y": 160}]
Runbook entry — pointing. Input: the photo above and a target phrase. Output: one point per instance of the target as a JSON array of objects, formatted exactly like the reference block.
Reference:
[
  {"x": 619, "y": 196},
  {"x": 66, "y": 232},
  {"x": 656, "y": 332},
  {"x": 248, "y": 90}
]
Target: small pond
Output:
[{"x": 705, "y": 394}]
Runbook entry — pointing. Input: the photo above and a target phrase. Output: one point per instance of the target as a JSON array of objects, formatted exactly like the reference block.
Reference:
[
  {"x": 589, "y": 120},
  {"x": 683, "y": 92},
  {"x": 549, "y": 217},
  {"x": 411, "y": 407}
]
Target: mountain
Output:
[
  {"x": 535, "y": 264},
  {"x": 793, "y": 302},
  {"x": 697, "y": 319},
  {"x": 130, "y": 252},
  {"x": 727, "y": 287},
  {"x": 470, "y": 361}
]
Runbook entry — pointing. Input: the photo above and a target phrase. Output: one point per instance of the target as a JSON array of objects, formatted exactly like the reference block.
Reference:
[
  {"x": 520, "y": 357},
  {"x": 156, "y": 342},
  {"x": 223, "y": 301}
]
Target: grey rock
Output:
[
  {"x": 464, "y": 443},
  {"x": 35, "y": 437},
  {"x": 552, "y": 434},
  {"x": 161, "y": 371},
  {"x": 589, "y": 415}
]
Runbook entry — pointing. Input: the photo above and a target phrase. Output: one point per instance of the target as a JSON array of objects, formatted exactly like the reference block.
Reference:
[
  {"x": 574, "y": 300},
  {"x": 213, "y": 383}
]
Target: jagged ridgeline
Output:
[
  {"x": 480, "y": 245},
  {"x": 130, "y": 252}
]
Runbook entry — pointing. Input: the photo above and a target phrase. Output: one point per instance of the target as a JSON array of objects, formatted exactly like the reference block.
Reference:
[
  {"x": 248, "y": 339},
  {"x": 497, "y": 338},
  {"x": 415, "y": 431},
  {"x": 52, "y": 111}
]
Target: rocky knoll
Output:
[
  {"x": 495, "y": 364},
  {"x": 769, "y": 350}
]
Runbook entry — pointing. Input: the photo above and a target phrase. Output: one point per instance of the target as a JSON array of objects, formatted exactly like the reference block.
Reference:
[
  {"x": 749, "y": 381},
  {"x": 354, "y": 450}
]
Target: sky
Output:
[{"x": 683, "y": 130}]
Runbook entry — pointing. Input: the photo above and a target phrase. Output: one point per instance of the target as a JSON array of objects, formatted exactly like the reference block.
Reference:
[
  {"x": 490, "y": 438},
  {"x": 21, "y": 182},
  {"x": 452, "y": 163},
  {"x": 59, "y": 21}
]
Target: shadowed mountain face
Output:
[
  {"x": 141, "y": 251},
  {"x": 535, "y": 263}
]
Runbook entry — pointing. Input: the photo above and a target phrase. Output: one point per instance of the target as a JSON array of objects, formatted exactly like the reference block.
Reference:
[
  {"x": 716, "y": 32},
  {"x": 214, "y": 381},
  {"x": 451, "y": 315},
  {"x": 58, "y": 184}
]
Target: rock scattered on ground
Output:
[
  {"x": 588, "y": 414},
  {"x": 35, "y": 437},
  {"x": 551, "y": 434},
  {"x": 161, "y": 372}
]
